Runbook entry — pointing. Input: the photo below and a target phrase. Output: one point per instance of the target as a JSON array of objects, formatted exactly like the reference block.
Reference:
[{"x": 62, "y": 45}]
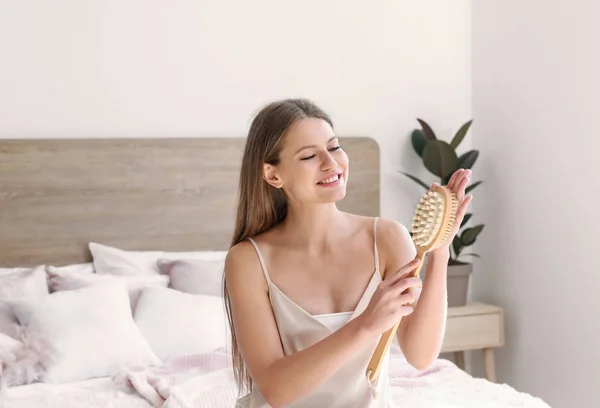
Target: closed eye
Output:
[{"x": 333, "y": 149}]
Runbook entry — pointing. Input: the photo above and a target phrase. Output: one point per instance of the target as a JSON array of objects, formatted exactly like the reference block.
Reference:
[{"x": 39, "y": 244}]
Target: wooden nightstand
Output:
[{"x": 476, "y": 326}]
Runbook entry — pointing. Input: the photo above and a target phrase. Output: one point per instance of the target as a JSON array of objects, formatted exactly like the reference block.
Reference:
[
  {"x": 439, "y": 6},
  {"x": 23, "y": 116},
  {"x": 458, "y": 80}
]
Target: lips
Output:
[{"x": 330, "y": 179}]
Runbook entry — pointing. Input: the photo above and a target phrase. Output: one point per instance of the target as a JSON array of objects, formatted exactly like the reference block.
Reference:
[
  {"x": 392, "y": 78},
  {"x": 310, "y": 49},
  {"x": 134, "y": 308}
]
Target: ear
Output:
[{"x": 270, "y": 175}]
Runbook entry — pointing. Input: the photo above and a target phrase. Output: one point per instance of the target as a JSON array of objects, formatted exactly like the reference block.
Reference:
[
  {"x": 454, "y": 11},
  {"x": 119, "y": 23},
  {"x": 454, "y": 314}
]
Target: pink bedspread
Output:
[{"x": 202, "y": 381}]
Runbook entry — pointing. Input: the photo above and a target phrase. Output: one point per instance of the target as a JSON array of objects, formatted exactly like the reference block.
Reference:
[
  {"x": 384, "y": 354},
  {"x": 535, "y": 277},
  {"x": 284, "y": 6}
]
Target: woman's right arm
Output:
[{"x": 283, "y": 379}]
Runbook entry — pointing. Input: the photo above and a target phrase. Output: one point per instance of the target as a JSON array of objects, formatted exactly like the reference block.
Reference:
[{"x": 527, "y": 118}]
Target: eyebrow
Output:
[{"x": 313, "y": 146}]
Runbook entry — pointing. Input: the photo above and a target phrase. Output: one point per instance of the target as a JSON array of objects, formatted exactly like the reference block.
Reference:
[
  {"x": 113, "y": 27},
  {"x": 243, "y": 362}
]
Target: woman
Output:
[{"x": 304, "y": 291}]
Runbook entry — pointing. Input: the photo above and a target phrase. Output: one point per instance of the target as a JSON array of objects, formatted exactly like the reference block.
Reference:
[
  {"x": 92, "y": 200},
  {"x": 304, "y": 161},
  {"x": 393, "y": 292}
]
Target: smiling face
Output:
[{"x": 312, "y": 166}]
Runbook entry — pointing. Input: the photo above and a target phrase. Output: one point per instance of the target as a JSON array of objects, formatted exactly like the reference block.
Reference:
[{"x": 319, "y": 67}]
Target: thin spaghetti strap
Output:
[
  {"x": 262, "y": 261},
  {"x": 375, "y": 251}
]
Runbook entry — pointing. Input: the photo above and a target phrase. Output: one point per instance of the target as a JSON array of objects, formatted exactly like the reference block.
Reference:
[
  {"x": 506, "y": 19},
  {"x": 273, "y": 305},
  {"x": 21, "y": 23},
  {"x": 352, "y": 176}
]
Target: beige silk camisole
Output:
[{"x": 348, "y": 387}]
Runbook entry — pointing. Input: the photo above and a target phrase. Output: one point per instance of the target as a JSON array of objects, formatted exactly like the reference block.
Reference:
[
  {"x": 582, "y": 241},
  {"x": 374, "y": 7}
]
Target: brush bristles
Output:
[{"x": 429, "y": 216}]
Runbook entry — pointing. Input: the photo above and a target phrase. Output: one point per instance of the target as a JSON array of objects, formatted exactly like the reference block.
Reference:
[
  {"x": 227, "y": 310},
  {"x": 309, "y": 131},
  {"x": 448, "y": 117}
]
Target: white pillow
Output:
[
  {"x": 59, "y": 280},
  {"x": 89, "y": 331},
  {"x": 115, "y": 261},
  {"x": 15, "y": 283},
  {"x": 8, "y": 345},
  {"x": 195, "y": 276},
  {"x": 176, "y": 323}
]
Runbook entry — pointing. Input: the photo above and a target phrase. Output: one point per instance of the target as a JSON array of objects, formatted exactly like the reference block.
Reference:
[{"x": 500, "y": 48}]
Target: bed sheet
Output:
[
  {"x": 443, "y": 385},
  {"x": 95, "y": 393}
]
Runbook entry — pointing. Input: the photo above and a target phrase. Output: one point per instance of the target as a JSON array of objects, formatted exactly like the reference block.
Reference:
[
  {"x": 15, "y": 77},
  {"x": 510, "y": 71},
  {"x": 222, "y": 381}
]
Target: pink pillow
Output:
[{"x": 194, "y": 276}]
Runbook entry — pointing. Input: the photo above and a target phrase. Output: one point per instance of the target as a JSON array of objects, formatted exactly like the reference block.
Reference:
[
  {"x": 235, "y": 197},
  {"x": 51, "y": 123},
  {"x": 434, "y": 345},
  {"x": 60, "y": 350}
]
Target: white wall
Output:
[
  {"x": 117, "y": 68},
  {"x": 151, "y": 68},
  {"x": 536, "y": 103}
]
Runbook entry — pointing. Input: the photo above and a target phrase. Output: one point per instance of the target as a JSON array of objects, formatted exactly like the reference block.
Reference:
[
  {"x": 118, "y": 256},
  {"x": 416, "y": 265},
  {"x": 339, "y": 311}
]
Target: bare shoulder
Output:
[
  {"x": 395, "y": 243},
  {"x": 239, "y": 253},
  {"x": 392, "y": 230},
  {"x": 254, "y": 324},
  {"x": 242, "y": 267}
]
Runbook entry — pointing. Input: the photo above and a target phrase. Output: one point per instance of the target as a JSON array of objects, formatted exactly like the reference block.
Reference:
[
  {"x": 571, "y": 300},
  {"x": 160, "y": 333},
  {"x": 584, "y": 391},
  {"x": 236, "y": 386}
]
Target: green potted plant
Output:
[{"x": 442, "y": 160}]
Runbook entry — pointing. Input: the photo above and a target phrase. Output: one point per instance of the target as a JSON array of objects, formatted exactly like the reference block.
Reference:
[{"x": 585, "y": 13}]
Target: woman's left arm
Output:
[{"x": 420, "y": 334}]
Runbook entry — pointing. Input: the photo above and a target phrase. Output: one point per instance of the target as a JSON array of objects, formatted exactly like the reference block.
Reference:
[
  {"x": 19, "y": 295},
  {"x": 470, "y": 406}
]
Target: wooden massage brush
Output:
[{"x": 432, "y": 222}]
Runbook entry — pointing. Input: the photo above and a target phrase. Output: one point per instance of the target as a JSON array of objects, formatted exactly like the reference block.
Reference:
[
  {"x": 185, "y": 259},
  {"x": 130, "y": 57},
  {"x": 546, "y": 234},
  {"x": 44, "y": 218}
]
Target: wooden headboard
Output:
[{"x": 57, "y": 195}]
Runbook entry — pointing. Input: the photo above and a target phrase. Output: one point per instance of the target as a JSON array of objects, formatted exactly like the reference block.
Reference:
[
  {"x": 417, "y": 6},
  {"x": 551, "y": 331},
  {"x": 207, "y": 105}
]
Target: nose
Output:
[{"x": 328, "y": 163}]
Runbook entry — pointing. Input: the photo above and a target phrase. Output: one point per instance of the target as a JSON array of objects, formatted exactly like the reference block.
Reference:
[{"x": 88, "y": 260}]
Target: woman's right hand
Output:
[{"x": 390, "y": 301}]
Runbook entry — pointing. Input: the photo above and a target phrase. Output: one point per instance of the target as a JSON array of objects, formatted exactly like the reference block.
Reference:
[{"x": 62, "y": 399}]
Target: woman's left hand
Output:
[{"x": 457, "y": 184}]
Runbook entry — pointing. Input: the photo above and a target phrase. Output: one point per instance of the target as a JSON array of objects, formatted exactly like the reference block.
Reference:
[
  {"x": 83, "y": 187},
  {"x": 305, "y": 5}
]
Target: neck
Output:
[{"x": 312, "y": 226}]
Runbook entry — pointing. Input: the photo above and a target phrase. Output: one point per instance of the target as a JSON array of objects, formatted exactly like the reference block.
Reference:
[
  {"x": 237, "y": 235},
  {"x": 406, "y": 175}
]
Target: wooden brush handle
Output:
[{"x": 386, "y": 339}]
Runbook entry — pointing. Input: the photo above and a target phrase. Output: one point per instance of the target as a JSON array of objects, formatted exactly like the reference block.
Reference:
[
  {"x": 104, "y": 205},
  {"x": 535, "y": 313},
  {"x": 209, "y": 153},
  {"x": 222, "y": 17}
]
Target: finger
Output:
[
  {"x": 403, "y": 271},
  {"x": 415, "y": 291},
  {"x": 462, "y": 210},
  {"x": 464, "y": 182},
  {"x": 458, "y": 175},
  {"x": 466, "y": 174},
  {"x": 453, "y": 178},
  {"x": 405, "y": 310},
  {"x": 460, "y": 193},
  {"x": 465, "y": 204},
  {"x": 397, "y": 277},
  {"x": 402, "y": 285},
  {"x": 405, "y": 284},
  {"x": 407, "y": 298}
]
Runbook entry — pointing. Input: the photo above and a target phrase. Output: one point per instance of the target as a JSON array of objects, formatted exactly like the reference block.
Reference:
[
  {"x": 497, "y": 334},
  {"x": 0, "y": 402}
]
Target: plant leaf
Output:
[
  {"x": 416, "y": 180},
  {"x": 475, "y": 255},
  {"x": 439, "y": 158},
  {"x": 456, "y": 245},
  {"x": 418, "y": 141},
  {"x": 472, "y": 186},
  {"x": 427, "y": 131},
  {"x": 469, "y": 235},
  {"x": 460, "y": 135},
  {"x": 465, "y": 219},
  {"x": 468, "y": 159}
]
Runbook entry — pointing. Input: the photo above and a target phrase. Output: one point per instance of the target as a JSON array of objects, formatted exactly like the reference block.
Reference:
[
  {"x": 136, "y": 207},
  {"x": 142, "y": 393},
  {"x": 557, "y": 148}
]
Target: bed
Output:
[{"x": 111, "y": 254}]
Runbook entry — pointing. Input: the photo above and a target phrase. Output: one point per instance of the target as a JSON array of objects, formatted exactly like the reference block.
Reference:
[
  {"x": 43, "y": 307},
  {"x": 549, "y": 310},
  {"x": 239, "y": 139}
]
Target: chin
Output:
[
  {"x": 332, "y": 192},
  {"x": 333, "y": 196}
]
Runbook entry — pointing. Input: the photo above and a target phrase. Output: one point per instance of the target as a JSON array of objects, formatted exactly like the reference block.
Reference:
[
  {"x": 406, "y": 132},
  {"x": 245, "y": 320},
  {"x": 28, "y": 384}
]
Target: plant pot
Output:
[{"x": 458, "y": 284}]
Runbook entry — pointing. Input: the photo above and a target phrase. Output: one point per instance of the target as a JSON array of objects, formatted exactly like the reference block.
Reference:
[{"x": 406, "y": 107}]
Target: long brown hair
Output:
[{"x": 261, "y": 206}]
